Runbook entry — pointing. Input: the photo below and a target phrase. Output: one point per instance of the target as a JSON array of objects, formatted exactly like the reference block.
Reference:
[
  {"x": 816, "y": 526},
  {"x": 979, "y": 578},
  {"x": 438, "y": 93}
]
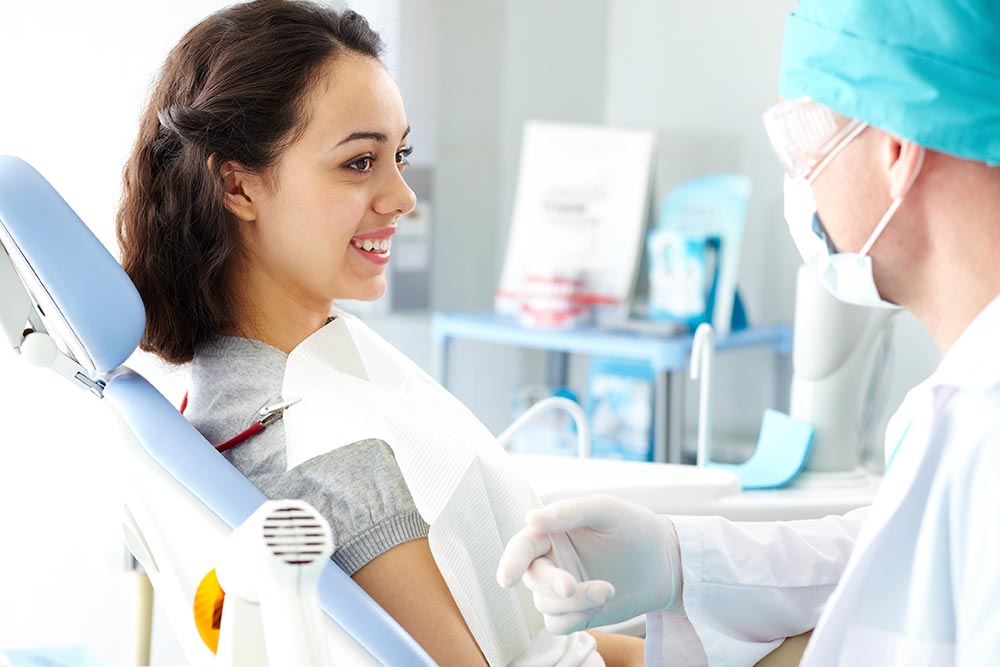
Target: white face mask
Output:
[{"x": 847, "y": 275}]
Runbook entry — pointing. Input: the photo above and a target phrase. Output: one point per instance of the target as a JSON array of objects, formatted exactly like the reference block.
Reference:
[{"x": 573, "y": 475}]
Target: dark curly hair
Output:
[{"x": 233, "y": 89}]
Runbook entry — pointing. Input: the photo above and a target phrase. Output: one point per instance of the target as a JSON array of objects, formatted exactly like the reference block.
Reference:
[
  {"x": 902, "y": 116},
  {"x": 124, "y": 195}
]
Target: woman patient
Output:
[{"x": 266, "y": 182}]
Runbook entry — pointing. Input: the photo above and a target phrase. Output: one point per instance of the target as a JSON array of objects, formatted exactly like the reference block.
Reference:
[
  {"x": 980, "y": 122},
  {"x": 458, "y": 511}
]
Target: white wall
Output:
[{"x": 409, "y": 29}]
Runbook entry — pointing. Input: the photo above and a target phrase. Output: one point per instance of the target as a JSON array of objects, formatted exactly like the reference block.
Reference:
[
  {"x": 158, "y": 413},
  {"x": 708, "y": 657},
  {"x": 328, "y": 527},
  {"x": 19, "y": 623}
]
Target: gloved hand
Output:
[
  {"x": 548, "y": 650},
  {"x": 627, "y": 562}
]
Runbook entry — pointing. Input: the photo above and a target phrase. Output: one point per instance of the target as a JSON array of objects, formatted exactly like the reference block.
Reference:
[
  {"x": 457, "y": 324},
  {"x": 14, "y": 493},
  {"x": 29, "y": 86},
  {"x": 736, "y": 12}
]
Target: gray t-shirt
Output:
[{"x": 358, "y": 488}]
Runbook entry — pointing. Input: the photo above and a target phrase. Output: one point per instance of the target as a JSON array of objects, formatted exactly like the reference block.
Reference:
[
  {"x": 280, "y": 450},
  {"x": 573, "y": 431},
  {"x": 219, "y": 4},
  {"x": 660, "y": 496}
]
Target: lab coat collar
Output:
[{"x": 973, "y": 361}]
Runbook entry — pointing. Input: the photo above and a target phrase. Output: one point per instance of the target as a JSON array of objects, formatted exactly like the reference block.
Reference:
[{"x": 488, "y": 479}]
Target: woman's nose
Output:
[{"x": 397, "y": 198}]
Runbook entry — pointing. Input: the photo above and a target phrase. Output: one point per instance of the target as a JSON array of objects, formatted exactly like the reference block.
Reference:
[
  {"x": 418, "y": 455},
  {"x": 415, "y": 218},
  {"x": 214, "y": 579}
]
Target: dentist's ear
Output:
[
  {"x": 903, "y": 161},
  {"x": 239, "y": 185}
]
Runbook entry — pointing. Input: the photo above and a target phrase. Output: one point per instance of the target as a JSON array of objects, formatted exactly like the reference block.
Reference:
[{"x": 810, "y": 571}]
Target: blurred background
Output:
[{"x": 75, "y": 75}]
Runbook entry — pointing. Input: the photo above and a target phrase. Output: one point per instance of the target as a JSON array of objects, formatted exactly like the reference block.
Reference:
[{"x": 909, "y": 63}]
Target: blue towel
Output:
[{"x": 782, "y": 448}]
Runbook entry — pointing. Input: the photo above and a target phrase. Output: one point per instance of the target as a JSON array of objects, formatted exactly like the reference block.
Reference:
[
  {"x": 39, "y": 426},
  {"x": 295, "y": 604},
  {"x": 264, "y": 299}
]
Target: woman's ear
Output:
[
  {"x": 241, "y": 187},
  {"x": 903, "y": 160}
]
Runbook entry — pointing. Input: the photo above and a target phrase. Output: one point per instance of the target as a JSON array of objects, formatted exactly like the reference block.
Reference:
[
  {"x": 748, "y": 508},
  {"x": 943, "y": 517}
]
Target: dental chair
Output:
[{"x": 67, "y": 305}]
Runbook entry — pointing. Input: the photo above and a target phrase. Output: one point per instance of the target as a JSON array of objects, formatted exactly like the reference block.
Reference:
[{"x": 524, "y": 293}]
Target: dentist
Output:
[{"x": 889, "y": 133}]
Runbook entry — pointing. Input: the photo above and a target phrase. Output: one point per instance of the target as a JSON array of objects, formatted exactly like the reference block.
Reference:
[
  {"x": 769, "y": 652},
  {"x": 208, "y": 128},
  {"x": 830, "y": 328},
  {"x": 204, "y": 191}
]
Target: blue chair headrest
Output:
[{"x": 80, "y": 291}]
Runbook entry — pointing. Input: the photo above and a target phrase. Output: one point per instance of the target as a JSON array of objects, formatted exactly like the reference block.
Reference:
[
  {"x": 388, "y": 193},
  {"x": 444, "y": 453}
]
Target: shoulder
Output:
[
  {"x": 972, "y": 427},
  {"x": 973, "y": 415},
  {"x": 231, "y": 380}
]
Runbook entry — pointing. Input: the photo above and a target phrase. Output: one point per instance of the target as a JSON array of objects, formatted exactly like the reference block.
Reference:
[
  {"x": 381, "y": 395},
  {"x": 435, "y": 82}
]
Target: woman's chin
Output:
[{"x": 372, "y": 291}]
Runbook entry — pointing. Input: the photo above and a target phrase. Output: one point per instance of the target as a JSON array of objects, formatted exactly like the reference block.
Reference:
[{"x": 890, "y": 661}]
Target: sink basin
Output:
[
  {"x": 683, "y": 489},
  {"x": 663, "y": 488}
]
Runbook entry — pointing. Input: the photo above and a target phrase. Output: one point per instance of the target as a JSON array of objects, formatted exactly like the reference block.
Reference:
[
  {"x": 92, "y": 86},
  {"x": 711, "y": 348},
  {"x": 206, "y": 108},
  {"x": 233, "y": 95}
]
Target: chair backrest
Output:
[{"x": 183, "y": 497}]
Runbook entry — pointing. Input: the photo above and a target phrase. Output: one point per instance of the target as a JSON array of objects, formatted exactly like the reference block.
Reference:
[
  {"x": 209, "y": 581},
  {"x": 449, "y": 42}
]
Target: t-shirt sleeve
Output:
[{"x": 359, "y": 489}]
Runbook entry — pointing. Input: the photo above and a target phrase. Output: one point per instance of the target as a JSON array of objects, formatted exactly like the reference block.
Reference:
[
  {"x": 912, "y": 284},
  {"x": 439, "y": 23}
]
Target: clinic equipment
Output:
[
  {"x": 572, "y": 408},
  {"x": 620, "y": 408},
  {"x": 782, "y": 445},
  {"x": 694, "y": 251},
  {"x": 835, "y": 394},
  {"x": 553, "y": 432},
  {"x": 69, "y": 305},
  {"x": 270, "y": 571},
  {"x": 832, "y": 356},
  {"x": 838, "y": 359}
]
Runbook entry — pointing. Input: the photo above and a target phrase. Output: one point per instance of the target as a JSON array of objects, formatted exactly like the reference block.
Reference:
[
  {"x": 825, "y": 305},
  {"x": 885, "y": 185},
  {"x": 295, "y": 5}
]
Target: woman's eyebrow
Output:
[{"x": 369, "y": 136}]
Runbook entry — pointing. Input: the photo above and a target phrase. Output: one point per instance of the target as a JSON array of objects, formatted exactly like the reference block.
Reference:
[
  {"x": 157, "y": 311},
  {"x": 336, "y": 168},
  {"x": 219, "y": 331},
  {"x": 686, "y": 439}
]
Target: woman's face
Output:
[{"x": 321, "y": 225}]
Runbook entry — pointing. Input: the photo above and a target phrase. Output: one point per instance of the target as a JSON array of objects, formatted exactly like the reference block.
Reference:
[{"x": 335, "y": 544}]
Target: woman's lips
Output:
[
  {"x": 379, "y": 257},
  {"x": 375, "y": 246},
  {"x": 380, "y": 234}
]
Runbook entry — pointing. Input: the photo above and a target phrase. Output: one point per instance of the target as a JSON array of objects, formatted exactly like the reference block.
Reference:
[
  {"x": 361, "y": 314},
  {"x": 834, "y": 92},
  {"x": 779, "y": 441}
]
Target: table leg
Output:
[
  {"x": 440, "y": 360},
  {"x": 676, "y": 386},
  {"x": 668, "y": 417},
  {"x": 661, "y": 418},
  {"x": 556, "y": 369},
  {"x": 782, "y": 381}
]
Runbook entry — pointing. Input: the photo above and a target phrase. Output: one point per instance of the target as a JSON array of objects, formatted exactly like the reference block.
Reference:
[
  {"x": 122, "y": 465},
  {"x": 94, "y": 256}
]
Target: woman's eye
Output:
[
  {"x": 363, "y": 164},
  {"x": 403, "y": 155}
]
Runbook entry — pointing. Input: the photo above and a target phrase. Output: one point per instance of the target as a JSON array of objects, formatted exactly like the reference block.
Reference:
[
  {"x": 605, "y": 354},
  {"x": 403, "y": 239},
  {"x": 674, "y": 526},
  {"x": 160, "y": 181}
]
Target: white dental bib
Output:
[{"x": 354, "y": 386}]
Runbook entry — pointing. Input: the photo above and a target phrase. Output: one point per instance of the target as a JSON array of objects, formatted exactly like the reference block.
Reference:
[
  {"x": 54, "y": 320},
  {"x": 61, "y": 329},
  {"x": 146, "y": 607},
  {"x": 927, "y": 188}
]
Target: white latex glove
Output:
[
  {"x": 548, "y": 650},
  {"x": 627, "y": 562}
]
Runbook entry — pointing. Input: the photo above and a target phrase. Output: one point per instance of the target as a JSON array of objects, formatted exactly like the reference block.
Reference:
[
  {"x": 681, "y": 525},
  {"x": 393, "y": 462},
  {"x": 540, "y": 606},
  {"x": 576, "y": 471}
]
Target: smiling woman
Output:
[
  {"x": 267, "y": 182},
  {"x": 274, "y": 143},
  {"x": 338, "y": 183}
]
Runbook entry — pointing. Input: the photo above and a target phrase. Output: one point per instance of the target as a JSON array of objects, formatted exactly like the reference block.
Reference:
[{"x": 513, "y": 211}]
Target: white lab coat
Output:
[{"x": 913, "y": 580}]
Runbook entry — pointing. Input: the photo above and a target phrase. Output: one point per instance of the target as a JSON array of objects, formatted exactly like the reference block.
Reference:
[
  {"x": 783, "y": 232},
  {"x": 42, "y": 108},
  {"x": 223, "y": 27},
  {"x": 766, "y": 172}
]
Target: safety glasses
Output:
[{"x": 806, "y": 136}]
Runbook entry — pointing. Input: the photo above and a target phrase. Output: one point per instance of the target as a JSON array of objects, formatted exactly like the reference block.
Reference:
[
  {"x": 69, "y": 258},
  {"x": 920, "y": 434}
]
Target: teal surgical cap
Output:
[{"x": 924, "y": 70}]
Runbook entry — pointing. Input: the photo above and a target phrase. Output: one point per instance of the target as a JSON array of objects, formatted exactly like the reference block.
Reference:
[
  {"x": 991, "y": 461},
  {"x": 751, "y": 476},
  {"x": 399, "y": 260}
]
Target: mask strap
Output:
[{"x": 880, "y": 227}]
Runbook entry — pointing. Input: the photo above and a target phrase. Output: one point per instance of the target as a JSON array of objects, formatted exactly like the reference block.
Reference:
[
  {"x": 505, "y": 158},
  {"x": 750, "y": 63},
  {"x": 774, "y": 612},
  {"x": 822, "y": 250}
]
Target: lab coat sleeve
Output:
[
  {"x": 748, "y": 586},
  {"x": 975, "y": 552}
]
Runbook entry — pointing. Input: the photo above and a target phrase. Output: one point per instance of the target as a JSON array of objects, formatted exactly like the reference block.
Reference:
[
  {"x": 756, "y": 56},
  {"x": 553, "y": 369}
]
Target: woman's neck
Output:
[{"x": 271, "y": 314}]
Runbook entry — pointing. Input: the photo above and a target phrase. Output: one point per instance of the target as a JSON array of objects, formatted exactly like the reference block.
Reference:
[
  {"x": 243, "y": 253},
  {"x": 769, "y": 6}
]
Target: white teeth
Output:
[{"x": 382, "y": 245}]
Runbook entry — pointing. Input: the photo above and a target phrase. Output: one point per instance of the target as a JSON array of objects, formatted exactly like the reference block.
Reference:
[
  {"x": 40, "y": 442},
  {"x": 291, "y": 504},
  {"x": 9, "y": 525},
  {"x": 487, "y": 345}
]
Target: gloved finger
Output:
[
  {"x": 585, "y": 652},
  {"x": 545, "y": 577},
  {"x": 593, "y": 659},
  {"x": 589, "y": 598},
  {"x": 522, "y": 549},
  {"x": 564, "y": 624},
  {"x": 597, "y": 512}
]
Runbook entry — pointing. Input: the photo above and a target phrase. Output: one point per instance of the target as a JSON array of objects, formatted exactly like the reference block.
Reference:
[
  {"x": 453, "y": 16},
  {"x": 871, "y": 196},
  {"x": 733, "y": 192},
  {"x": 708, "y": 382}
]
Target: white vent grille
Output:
[{"x": 295, "y": 536}]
